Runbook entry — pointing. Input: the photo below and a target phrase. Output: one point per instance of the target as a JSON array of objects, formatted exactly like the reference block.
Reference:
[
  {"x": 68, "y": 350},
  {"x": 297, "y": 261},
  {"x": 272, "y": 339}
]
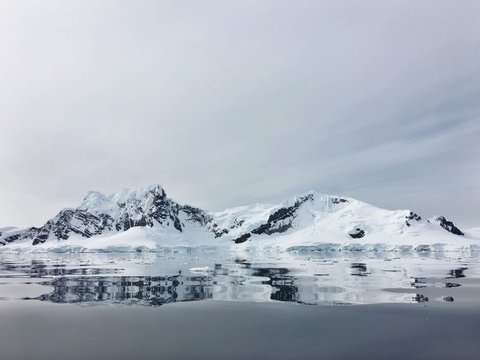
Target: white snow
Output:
[
  {"x": 99, "y": 203},
  {"x": 322, "y": 222},
  {"x": 473, "y": 233},
  {"x": 249, "y": 216},
  {"x": 202, "y": 269}
]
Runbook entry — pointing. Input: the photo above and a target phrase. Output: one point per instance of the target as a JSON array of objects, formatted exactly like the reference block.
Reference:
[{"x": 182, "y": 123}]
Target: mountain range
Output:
[{"x": 128, "y": 216}]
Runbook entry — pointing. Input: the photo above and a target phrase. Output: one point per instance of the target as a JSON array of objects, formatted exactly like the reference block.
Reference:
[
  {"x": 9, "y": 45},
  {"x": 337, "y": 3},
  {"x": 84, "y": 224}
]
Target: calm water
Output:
[
  {"x": 218, "y": 305},
  {"x": 153, "y": 279}
]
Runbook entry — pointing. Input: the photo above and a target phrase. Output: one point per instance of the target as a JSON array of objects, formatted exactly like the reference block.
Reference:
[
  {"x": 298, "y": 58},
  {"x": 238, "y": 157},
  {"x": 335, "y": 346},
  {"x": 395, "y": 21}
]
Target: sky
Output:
[{"x": 226, "y": 103}]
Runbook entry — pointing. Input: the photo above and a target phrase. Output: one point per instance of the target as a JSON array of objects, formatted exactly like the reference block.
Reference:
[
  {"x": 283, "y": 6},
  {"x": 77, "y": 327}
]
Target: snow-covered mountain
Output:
[
  {"x": 99, "y": 214},
  {"x": 147, "y": 218}
]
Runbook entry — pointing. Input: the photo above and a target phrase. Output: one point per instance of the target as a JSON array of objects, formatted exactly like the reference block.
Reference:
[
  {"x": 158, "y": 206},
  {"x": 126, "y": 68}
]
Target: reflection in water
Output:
[
  {"x": 283, "y": 285},
  {"x": 148, "y": 290},
  {"x": 39, "y": 269},
  {"x": 418, "y": 283},
  {"x": 359, "y": 269},
  {"x": 457, "y": 273},
  {"x": 156, "y": 279},
  {"x": 419, "y": 298}
]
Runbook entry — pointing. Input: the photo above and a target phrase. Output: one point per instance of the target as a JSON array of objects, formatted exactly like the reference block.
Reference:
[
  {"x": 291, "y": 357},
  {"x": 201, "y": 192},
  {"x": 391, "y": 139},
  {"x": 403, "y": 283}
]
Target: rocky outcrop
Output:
[
  {"x": 99, "y": 214},
  {"x": 412, "y": 217},
  {"x": 357, "y": 233},
  {"x": 150, "y": 207},
  {"x": 281, "y": 220},
  {"x": 448, "y": 225},
  {"x": 243, "y": 238}
]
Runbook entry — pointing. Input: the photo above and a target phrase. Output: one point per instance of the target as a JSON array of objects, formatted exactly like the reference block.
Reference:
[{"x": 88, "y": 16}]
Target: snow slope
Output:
[{"x": 146, "y": 219}]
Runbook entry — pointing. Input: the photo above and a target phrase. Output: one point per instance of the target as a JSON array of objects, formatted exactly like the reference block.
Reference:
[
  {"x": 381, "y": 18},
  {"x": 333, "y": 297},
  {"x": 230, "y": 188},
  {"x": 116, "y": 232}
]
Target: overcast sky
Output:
[{"x": 226, "y": 103}]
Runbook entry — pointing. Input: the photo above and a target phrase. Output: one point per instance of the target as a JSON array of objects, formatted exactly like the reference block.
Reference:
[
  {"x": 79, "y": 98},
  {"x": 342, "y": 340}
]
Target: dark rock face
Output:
[
  {"x": 278, "y": 222},
  {"x": 357, "y": 233},
  {"x": 12, "y": 238},
  {"x": 242, "y": 238},
  {"x": 150, "y": 207},
  {"x": 30, "y": 233},
  {"x": 282, "y": 219},
  {"x": 449, "y": 226},
  {"x": 217, "y": 230},
  {"x": 86, "y": 224},
  {"x": 412, "y": 216},
  {"x": 237, "y": 223}
]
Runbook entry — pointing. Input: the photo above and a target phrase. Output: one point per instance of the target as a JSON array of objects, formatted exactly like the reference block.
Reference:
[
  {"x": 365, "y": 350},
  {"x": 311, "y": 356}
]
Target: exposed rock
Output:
[
  {"x": 357, "y": 233},
  {"x": 413, "y": 216},
  {"x": 217, "y": 230},
  {"x": 99, "y": 214},
  {"x": 281, "y": 220},
  {"x": 448, "y": 225},
  {"x": 237, "y": 223},
  {"x": 242, "y": 238},
  {"x": 339, "y": 200}
]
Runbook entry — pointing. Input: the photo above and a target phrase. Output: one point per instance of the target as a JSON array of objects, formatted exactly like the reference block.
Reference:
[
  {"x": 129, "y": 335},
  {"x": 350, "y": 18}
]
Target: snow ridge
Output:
[{"x": 147, "y": 218}]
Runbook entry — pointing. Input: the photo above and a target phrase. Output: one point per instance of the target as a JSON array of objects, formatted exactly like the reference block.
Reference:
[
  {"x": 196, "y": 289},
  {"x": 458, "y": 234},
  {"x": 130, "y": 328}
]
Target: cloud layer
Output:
[{"x": 226, "y": 103}]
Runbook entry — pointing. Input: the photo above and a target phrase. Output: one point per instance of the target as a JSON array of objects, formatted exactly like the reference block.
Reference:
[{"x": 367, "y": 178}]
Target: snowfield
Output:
[{"x": 146, "y": 220}]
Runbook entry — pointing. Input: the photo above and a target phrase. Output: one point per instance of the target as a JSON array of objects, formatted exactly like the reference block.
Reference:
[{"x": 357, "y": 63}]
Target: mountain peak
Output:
[
  {"x": 125, "y": 193},
  {"x": 309, "y": 217},
  {"x": 97, "y": 201}
]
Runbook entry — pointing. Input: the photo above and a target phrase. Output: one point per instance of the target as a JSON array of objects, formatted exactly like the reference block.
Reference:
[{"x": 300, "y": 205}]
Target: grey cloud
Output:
[{"x": 227, "y": 103}]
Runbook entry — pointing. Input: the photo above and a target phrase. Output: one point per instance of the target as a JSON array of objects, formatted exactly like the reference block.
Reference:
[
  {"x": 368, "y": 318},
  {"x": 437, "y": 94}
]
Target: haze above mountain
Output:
[{"x": 229, "y": 103}]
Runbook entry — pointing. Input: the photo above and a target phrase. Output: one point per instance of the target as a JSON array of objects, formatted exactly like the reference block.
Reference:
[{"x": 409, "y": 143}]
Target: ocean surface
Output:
[{"x": 213, "y": 304}]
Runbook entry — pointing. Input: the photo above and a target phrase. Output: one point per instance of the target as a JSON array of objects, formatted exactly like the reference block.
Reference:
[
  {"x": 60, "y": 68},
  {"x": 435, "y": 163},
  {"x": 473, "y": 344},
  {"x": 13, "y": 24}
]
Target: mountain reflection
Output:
[
  {"x": 148, "y": 290},
  {"x": 169, "y": 279},
  {"x": 159, "y": 290}
]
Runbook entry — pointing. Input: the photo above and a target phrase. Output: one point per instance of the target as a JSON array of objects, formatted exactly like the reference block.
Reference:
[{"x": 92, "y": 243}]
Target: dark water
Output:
[{"x": 221, "y": 305}]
